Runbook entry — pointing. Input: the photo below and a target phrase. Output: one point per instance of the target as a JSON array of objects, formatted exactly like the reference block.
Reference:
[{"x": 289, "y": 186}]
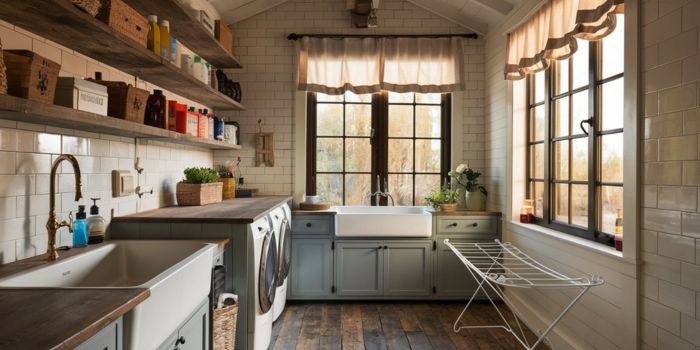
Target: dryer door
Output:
[
  {"x": 267, "y": 281},
  {"x": 285, "y": 251}
]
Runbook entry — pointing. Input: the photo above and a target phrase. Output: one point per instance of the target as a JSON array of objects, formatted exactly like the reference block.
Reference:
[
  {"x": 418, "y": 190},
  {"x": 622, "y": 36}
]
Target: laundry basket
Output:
[{"x": 225, "y": 327}]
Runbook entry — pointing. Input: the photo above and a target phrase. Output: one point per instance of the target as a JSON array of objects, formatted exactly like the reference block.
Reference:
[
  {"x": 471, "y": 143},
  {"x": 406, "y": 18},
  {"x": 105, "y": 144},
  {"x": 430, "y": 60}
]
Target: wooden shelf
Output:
[
  {"x": 60, "y": 21},
  {"x": 187, "y": 30},
  {"x": 20, "y": 109}
]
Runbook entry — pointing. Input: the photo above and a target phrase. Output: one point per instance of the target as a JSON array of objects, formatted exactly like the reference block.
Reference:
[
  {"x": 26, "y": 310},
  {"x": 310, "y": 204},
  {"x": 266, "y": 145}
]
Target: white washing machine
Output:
[
  {"x": 265, "y": 281},
  {"x": 281, "y": 219}
]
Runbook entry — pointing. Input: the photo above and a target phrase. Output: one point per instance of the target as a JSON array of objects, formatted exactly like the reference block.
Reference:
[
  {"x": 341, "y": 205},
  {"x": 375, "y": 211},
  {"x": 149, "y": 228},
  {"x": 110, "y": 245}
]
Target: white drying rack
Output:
[{"x": 500, "y": 265}]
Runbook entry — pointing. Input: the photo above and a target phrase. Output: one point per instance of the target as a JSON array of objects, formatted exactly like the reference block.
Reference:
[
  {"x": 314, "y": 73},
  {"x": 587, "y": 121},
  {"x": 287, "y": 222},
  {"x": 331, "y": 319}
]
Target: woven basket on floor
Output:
[
  {"x": 224, "y": 327},
  {"x": 3, "y": 73}
]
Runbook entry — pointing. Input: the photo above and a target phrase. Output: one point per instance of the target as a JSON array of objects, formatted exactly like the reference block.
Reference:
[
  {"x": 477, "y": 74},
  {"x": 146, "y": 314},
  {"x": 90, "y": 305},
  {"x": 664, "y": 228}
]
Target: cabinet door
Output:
[
  {"x": 358, "y": 268},
  {"x": 194, "y": 334},
  {"x": 311, "y": 269},
  {"x": 452, "y": 279},
  {"x": 407, "y": 267},
  {"x": 109, "y": 338}
]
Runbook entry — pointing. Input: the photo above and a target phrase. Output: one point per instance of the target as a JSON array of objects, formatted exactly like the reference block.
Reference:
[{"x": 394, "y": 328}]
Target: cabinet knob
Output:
[
  {"x": 308, "y": 224},
  {"x": 454, "y": 224},
  {"x": 180, "y": 340},
  {"x": 475, "y": 224},
  {"x": 385, "y": 247},
  {"x": 380, "y": 247}
]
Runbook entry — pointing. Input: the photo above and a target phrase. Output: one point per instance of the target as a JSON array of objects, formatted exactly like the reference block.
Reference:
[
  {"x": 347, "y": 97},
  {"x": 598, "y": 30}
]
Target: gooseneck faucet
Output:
[
  {"x": 379, "y": 193},
  {"x": 52, "y": 225}
]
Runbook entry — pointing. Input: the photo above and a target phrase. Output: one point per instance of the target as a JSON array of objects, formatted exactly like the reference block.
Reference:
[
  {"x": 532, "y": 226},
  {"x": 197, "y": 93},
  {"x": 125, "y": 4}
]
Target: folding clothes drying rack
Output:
[{"x": 500, "y": 265}]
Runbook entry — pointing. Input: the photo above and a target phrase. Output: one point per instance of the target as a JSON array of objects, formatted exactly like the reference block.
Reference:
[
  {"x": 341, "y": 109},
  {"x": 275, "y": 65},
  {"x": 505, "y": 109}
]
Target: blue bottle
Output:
[{"x": 80, "y": 229}]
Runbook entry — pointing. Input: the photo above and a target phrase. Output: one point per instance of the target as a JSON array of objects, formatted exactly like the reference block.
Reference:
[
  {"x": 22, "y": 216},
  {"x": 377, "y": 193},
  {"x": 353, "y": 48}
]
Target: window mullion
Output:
[
  {"x": 593, "y": 130},
  {"x": 547, "y": 195}
]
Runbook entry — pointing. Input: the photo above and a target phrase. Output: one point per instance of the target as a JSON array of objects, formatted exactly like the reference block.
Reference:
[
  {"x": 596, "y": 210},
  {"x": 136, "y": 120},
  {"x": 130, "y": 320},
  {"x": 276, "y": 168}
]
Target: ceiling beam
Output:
[
  {"x": 248, "y": 10},
  {"x": 448, "y": 12},
  {"x": 501, "y": 6}
]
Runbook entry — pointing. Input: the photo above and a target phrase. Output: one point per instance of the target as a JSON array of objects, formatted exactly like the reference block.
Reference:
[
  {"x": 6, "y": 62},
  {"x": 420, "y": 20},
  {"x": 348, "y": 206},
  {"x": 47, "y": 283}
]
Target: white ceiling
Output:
[{"x": 476, "y": 15}]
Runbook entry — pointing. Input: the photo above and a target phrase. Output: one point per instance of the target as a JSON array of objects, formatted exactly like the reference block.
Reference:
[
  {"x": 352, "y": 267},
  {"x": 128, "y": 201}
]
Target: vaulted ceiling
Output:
[{"x": 476, "y": 15}]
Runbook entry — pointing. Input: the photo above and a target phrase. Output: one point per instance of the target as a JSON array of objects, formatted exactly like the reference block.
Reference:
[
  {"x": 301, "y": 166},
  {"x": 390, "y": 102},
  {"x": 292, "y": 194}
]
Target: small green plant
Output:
[
  {"x": 445, "y": 195},
  {"x": 468, "y": 178},
  {"x": 200, "y": 176}
]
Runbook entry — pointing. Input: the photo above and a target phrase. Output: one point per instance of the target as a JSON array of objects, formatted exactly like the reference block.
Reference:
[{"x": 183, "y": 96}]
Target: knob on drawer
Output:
[
  {"x": 454, "y": 224},
  {"x": 308, "y": 224},
  {"x": 475, "y": 224}
]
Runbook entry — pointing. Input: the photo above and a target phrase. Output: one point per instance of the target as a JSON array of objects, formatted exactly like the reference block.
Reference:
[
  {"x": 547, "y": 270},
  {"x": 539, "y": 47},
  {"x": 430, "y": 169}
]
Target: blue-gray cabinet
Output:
[
  {"x": 193, "y": 334},
  {"x": 452, "y": 279},
  {"x": 359, "y": 268},
  {"x": 383, "y": 268},
  {"x": 108, "y": 338},
  {"x": 311, "y": 274}
]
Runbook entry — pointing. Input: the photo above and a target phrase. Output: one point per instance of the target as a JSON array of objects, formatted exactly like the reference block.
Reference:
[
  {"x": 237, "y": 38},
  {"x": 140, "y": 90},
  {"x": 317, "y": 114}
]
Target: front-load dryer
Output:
[
  {"x": 265, "y": 281},
  {"x": 280, "y": 218}
]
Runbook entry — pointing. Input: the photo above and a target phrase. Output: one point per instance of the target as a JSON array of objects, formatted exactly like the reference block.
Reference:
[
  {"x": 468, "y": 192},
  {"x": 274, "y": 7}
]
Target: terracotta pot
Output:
[
  {"x": 476, "y": 201},
  {"x": 448, "y": 207}
]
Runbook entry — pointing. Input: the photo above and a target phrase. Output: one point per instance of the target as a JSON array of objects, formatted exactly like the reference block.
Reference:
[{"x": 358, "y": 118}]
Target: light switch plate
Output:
[{"x": 122, "y": 183}]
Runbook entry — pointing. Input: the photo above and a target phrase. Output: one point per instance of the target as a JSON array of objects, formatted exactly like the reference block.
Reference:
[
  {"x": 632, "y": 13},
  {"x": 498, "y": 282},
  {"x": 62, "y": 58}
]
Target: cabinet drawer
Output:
[
  {"x": 311, "y": 226},
  {"x": 466, "y": 225},
  {"x": 109, "y": 338}
]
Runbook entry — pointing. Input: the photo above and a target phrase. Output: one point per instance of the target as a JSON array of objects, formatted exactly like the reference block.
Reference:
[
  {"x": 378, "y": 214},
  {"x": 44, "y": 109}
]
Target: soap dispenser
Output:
[
  {"x": 96, "y": 224},
  {"x": 80, "y": 238}
]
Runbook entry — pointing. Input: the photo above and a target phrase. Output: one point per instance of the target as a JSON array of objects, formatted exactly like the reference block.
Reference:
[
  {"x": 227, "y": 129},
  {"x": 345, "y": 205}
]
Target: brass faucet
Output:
[{"x": 52, "y": 225}]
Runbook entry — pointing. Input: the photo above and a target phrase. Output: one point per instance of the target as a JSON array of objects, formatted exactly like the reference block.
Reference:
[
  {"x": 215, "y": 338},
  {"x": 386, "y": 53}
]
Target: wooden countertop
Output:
[
  {"x": 48, "y": 318},
  {"x": 313, "y": 212},
  {"x": 231, "y": 211},
  {"x": 467, "y": 213}
]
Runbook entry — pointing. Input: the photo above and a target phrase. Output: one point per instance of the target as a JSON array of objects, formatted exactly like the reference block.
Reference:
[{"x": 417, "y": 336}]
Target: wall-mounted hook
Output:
[{"x": 137, "y": 165}]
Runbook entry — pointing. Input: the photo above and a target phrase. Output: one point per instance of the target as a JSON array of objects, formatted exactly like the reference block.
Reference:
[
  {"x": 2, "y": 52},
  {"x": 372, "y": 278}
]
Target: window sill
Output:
[{"x": 573, "y": 240}]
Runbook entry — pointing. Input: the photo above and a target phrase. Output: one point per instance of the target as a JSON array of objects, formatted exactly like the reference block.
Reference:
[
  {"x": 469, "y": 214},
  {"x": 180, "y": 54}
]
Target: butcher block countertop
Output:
[
  {"x": 47, "y": 318},
  {"x": 467, "y": 213},
  {"x": 230, "y": 211}
]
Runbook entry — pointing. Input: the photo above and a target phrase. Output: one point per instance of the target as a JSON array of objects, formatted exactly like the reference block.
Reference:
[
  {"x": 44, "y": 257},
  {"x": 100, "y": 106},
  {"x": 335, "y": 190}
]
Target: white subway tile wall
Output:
[
  {"x": 268, "y": 78},
  {"x": 671, "y": 273},
  {"x": 27, "y": 151}
]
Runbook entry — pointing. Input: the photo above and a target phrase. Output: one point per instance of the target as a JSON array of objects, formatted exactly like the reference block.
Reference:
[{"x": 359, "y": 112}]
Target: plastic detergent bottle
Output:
[{"x": 153, "y": 43}]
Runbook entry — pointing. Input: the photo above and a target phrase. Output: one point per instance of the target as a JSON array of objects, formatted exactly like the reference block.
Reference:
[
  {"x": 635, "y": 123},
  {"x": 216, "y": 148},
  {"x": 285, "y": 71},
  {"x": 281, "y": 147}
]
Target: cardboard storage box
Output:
[{"x": 82, "y": 95}]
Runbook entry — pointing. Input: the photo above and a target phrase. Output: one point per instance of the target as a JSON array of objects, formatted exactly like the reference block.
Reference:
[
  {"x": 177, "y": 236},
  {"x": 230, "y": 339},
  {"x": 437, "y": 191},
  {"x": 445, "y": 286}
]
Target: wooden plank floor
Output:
[{"x": 389, "y": 325}]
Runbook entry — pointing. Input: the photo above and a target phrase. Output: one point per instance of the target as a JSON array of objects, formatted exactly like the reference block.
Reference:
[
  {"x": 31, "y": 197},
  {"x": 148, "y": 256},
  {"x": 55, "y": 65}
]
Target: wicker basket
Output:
[
  {"x": 31, "y": 76},
  {"x": 124, "y": 20},
  {"x": 92, "y": 7},
  {"x": 198, "y": 194},
  {"x": 125, "y": 101},
  {"x": 224, "y": 327},
  {"x": 3, "y": 73}
]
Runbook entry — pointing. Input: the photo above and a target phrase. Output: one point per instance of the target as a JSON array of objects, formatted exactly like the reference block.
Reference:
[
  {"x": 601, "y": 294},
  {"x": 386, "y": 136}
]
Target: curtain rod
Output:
[{"x": 295, "y": 36}]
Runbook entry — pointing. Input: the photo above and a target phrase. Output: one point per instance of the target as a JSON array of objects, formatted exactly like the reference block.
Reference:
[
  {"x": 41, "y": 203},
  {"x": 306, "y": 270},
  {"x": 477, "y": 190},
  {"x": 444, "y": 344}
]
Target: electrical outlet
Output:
[{"x": 122, "y": 183}]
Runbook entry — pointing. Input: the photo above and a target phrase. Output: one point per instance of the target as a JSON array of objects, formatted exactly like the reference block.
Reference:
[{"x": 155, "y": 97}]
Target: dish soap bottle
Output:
[
  {"x": 165, "y": 40},
  {"x": 153, "y": 42},
  {"x": 96, "y": 224},
  {"x": 80, "y": 238}
]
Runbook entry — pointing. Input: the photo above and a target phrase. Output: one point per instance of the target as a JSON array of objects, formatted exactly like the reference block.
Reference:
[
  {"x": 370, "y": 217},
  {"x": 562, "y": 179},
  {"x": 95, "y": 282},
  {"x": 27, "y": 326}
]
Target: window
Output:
[
  {"x": 402, "y": 139},
  {"x": 575, "y": 163}
]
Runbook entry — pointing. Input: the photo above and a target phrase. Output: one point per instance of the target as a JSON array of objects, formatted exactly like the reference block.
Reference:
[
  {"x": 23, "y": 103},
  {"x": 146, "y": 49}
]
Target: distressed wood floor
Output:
[{"x": 388, "y": 325}]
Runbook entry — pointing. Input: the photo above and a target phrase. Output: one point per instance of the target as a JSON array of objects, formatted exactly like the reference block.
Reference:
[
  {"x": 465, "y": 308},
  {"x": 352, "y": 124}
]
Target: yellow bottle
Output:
[
  {"x": 153, "y": 35},
  {"x": 165, "y": 40}
]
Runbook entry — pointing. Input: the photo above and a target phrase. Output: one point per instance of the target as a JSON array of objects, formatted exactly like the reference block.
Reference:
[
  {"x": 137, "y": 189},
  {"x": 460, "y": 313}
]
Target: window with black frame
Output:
[
  {"x": 575, "y": 139},
  {"x": 402, "y": 139}
]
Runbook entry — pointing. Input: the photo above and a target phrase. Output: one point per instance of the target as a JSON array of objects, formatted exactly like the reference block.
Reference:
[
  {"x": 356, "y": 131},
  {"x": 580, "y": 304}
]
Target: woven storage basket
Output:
[
  {"x": 3, "y": 73},
  {"x": 92, "y": 7},
  {"x": 31, "y": 76},
  {"x": 198, "y": 194},
  {"x": 124, "y": 20},
  {"x": 125, "y": 101},
  {"x": 224, "y": 327}
]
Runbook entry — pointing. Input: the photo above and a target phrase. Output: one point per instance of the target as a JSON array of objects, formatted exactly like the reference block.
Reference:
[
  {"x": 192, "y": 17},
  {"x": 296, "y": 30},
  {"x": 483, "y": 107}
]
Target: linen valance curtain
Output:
[
  {"x": 550, "y": 34},
  {"x": 368, "y": 65}
]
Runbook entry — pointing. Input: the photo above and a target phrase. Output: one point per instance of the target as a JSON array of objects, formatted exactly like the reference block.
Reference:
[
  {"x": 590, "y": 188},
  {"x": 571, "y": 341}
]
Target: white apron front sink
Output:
[
  {"x": 366, "y": 221},
  {"x": 177, "y": 273}
]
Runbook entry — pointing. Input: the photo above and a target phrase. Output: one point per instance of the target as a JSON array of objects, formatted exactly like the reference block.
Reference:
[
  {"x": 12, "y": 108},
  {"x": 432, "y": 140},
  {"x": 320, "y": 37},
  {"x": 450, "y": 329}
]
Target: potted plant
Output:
[
  {"x": 444, "y": 198},
  {"x": 228, "y": 179},
  {"x": 201, "y": 186},
  {"x": 474, "y": 193}
]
